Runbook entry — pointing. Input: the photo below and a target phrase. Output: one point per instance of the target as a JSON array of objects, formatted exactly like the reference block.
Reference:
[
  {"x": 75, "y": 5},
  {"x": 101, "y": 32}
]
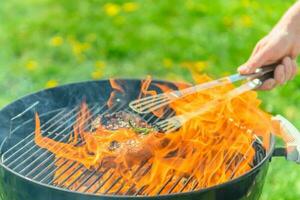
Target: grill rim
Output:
[{"x": 267, "y": 157}]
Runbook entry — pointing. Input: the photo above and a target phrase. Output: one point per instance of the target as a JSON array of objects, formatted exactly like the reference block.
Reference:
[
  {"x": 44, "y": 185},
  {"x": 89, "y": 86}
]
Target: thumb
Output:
[{"x": 257, "y": 60}]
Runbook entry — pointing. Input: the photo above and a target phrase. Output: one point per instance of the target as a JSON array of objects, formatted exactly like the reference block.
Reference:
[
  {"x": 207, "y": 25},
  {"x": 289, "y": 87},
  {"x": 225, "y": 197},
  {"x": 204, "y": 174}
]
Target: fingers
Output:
[
  {"x": 257, "y": 47},
  {"x": 288, "y": 67},
  {"x": 294, "y": 68},
  {"x": 258, "y": 59},
  {"x": 285, "y": 71},
  {"x": 268, "y": 84},
  {"x": 282, "y": 74},
  {"x": 279, "y": 74}
]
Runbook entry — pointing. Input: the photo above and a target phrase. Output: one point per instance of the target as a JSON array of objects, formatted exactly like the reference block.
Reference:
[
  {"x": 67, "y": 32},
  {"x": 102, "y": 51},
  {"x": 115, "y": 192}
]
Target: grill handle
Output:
[
  {"x": 291, "y": 137},
  {"x": 279, "y": 152}
]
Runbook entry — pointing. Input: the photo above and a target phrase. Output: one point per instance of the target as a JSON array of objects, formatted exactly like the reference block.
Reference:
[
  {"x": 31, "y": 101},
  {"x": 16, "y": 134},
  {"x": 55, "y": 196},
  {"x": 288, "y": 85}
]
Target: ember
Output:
[{"x": 208, "y": 150}]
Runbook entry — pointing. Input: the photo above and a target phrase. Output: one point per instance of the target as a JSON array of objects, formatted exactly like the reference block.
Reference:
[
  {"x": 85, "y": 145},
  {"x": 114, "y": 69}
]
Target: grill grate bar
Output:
[
  {"x": 232, "y": 160},
  {"x": 28, "y": 151},
  {"x": 119, "y": 178},
  {"x": 175, "y": 184},
  {"x": 123, "y": 183},
  {"x": 45, "y": 152},
  {"x": 140, "y": 167},
  {"x": 28, "y": 137},
  {"x": 73, "y": 173},
  {"x": 101, "y": 109},
  {"x": 241, "y": 160},
  {"x": 104, "y": 182},
  {"x": 97, "y": 179},
  {"x": 50, "y": 173},
  {"x": 236, "y": 155},
  {"x": 189, "y": 179},
  {"x": 62, "y": 173},
  {"x": 51, "y": 156},
  {"x": 120, "y": 188},
  {"x": 49, "y": 166},
  {"x": 165, "y": 185},
  {"x": 113, "y": 184},
  {"x": 195, "y": 186},
  {"x": 112, "y": 173},
  {"x": 74, "y": 162},
  {"x": 143, "y": 174},
  {"x": 145, "y": 171},
  {"x": 68, "y": 167},
  {"x": 86, "y": 179},
  {"x": 168, "y": 113},
  {"x": 82, "y": 176},
  {"x": 133, "y": 175},
  {"x": 141, "y": 190}
]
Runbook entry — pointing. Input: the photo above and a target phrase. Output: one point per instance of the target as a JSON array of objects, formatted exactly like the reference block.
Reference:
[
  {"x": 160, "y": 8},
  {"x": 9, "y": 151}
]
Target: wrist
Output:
[{"x": 290, "y": 22}]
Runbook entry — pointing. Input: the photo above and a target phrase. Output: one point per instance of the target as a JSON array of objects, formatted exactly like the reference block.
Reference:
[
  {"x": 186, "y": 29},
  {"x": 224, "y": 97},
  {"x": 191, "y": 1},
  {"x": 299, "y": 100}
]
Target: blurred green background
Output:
[{"x": 45, "y": 43}]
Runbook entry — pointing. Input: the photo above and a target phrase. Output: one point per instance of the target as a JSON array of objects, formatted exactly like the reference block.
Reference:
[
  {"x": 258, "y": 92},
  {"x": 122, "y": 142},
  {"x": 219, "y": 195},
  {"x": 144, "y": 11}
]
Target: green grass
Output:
[{"x": 154, "y": 39}]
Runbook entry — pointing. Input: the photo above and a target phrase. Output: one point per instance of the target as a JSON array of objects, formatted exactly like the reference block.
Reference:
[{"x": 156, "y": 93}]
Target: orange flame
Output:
[
  {"x": 212, "y": 148},
  {"x": 116, "y": 89}
]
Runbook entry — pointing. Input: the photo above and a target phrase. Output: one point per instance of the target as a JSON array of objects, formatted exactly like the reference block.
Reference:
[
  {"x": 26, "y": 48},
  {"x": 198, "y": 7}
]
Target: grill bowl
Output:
[{"x": 15, "y": 186}]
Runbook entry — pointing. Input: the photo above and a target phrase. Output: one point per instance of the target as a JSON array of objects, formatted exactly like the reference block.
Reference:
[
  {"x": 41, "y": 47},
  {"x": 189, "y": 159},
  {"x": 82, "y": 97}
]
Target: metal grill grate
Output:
[{"x": 32, "y": 162}]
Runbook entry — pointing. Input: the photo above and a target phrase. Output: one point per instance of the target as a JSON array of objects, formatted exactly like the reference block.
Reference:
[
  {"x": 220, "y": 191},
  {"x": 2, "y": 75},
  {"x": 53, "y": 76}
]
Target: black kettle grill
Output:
[{"x": 27, "y": 172}]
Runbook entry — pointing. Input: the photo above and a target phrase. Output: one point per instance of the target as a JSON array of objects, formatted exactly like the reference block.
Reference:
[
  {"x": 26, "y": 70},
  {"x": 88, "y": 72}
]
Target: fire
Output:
[
  {"x": 208, "y": 150},
  {"x": 117, "y": 90}
]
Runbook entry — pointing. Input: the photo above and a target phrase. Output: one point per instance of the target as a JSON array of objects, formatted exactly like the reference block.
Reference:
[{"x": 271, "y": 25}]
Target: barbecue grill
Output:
[{"x": 27, "y": 171}]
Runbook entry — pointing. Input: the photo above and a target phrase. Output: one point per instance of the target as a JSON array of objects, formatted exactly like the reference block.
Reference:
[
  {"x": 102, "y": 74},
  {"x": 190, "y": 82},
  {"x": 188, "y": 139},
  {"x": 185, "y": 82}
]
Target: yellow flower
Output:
[
  {"x": 31, "y": 65},
  {"x": 130, "y": 6},
  {"x": 99, "y": 68},
  {"x": 100, "y": 64},
  {"x": 111, "y": 9},
  {"x": 97, "y": 74},
  {"x": 167, "y": 62},
  {"x": 247, "y": 21},
  {"x": 78, "y": 48},
  {"x": 56, "y": 41},
  {"x": 51, "y": 83}
]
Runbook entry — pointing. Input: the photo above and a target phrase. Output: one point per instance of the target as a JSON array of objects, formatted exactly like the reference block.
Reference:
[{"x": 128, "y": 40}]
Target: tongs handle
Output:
[
  {"x": 266, "y": 72},
  {"x": 263, "y": 73}
]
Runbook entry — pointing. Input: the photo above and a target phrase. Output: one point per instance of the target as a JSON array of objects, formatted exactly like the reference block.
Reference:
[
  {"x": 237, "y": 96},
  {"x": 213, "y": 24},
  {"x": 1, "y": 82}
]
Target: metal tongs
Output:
[
  {"x": 151, "y": 103},
  {"x": 148, "y": 104}
]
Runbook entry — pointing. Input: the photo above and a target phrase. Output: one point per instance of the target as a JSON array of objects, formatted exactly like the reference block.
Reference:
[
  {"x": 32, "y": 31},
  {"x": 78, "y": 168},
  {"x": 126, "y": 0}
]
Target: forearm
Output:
[
  {"x": 291, "y": 19},
  {"x": 281, "y": 45}
]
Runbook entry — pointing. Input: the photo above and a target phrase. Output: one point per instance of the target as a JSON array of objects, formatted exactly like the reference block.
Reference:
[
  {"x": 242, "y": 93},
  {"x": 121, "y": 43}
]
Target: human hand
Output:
[{"x": 281, "y": 45}]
